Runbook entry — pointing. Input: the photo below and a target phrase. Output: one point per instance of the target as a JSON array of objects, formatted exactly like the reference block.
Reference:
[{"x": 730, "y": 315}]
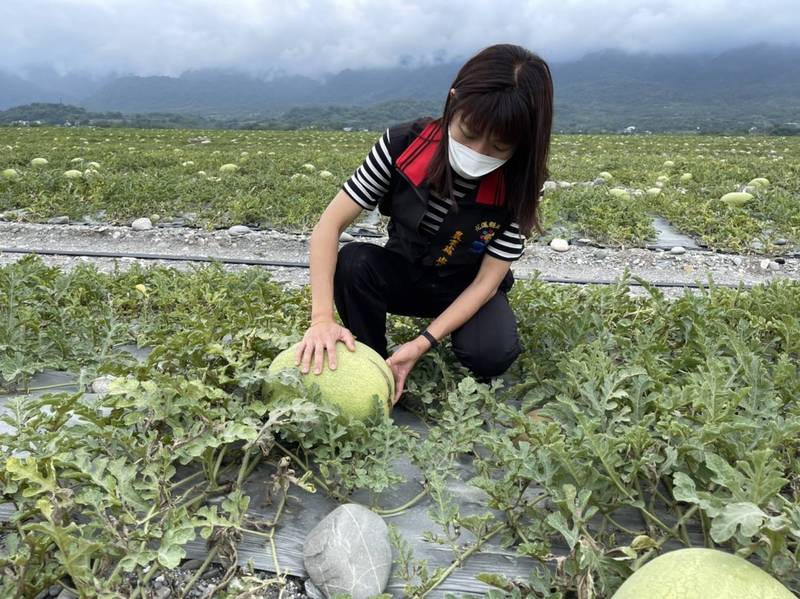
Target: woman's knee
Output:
[
  {"x": 486, "y": 361},
  {"x": 488, "y": 343}
]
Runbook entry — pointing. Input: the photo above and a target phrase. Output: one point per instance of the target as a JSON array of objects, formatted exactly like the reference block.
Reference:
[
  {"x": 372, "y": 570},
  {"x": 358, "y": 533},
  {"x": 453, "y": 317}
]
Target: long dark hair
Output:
[{"x": 506, "y": 90}]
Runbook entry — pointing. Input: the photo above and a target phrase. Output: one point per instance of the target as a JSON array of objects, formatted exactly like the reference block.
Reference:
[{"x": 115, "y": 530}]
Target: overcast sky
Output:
[{"x": 315, "y": 37}]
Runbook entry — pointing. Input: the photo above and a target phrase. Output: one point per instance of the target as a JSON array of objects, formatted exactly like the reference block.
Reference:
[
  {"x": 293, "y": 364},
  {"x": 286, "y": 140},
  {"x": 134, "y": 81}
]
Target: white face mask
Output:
[{"x": 469, "y": 163}]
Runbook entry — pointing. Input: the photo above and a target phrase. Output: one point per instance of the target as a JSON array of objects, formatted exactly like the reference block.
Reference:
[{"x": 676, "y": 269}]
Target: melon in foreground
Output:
[
  {"x": 358, "y": 376},
  {"x": 699, "y": 573}
]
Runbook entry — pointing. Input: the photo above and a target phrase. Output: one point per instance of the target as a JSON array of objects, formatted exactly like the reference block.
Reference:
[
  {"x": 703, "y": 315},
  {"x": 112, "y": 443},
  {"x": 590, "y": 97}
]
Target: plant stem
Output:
[
  {"x": 211, "y": 555},
  {"x": 704, "y": 525},
  {"x": 138, "y": 591},
  {"x": 257, "y": 533},
  {"x": 185, "y": 480},
  {"x": 274, "y": 550},
  {"x": 400, "y": 509},
  {"x": 619, "y": 526},
  {"x": 299, "y": 462},
  {"x": 112, "y": 577},
  {"x": 252, "y": 466},
  {"x": 459, "y": 560},
  {"x": 647, "y": 513},
  {"x": 29, "y": 389},
  {"x": 242, "y": 469},
  {"x": 217, "y": 464},
  {"x": 689, "y": 513}
]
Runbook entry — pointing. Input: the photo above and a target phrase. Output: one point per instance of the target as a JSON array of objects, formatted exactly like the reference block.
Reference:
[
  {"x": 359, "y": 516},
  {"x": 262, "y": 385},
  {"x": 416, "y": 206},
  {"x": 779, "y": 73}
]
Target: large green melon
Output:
[
  {"x": 699, "y": 573},
  {"x": 358, "y": 376}
]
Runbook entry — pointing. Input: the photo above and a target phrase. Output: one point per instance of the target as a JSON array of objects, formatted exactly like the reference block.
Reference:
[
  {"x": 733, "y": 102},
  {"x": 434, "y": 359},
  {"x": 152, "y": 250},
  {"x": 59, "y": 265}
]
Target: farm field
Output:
[
  {"x": 628, "y": 425},
  {"x": 283, "y": 180},
  {"x": 684, "y": 411}
]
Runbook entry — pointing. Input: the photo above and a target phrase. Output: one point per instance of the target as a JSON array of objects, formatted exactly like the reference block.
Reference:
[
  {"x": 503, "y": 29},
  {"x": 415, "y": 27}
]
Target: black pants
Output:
[{"x": 371, "y": 281}]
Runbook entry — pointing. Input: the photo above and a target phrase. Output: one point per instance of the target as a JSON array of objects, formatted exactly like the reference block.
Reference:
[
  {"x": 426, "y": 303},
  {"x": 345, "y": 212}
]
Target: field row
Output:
[
  {"x": 684, "y": 412},
  {"x": 284, "y": 180}
]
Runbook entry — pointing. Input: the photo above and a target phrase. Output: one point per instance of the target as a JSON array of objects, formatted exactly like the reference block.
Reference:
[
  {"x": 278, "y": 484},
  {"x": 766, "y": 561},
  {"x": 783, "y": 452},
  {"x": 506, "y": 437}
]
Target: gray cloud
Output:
[{"x": 314, "y": 37}]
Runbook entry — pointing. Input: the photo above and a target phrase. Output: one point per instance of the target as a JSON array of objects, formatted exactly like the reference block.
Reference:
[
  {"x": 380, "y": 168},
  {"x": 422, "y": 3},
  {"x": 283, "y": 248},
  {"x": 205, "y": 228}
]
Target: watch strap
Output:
[{"x": 431, "y": 339}]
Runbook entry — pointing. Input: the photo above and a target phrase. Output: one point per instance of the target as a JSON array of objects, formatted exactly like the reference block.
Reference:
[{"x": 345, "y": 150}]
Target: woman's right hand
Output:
[{"x": 319, "y": 337}]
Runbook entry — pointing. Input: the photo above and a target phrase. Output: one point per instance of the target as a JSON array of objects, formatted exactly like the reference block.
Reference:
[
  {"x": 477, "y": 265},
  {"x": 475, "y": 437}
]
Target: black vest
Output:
[{"x": 456, "y": 250}]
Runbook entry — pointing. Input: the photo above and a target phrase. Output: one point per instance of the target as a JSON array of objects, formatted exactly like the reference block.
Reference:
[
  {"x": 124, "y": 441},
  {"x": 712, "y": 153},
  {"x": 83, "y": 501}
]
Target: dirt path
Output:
[{"x": 579, "y": 263}]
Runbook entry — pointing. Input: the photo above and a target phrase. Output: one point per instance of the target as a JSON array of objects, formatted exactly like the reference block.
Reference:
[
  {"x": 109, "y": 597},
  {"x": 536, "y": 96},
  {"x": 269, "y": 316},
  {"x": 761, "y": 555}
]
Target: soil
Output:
[{"x": 584, "y": 261}]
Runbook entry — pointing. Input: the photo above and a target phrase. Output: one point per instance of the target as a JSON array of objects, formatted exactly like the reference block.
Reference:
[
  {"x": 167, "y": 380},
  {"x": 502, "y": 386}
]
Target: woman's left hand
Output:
[{"x": 402, "y": 361}]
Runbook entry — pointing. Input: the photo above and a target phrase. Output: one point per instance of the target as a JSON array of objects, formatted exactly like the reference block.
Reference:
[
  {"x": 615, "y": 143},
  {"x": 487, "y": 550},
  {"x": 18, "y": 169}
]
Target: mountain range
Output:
[{"x": 753, "y": 86}]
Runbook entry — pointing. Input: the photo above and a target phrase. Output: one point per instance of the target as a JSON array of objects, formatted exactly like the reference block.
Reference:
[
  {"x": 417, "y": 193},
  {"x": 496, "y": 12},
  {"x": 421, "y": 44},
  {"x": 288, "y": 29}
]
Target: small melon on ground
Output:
[
  {"x": 10, "y": 173},
  {"x": 359, "y": 375},
  {"x": 73, "y": 174},
  {"x": 606, "y": 175},
  {"x": 228, "y": 168},
  {"x": 700, "y": 573},
  {"x": 759, "y": 182},
  {"x": 39, "y": 162},
  {"x": 686, "y": 177},
  {"x": 619, "y": 192},
  {"x": 736, "y": 198}
]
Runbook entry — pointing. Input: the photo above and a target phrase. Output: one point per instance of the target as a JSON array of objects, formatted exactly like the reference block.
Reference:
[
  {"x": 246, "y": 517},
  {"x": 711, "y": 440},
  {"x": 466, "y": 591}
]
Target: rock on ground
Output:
[{"x": 349, "y": 551}]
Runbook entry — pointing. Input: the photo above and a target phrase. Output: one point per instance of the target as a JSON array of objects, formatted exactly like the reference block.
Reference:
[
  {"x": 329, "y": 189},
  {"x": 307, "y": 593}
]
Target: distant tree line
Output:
[{"x": 370, "y": 118}]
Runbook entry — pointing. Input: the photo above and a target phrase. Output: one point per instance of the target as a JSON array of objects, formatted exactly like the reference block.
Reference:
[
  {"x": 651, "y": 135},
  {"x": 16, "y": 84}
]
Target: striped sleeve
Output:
[
  {"x": 370, "y": 181},
  {"x": 509, "y": 245}
]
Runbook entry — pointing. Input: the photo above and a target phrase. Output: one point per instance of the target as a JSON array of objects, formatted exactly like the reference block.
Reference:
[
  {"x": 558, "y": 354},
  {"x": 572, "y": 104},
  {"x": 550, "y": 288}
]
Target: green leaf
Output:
[
  {"x": 27, "y": 470},
  {"x": 684, "y": 488},
  {"x": 726, "y": 475},
  {"x": 642, "y": 543},
  {"x": 180, "y": 530},
  {"x": 557, "y": 521},
  {"x": 495, "y": 580},
  {"x": 239, "y": 431},
  {"x": 170, "y": 555},
  {"x": 207, "y": 518},
  {"x": 746, "y": 515},
  {"x": 236, "y": 504}
]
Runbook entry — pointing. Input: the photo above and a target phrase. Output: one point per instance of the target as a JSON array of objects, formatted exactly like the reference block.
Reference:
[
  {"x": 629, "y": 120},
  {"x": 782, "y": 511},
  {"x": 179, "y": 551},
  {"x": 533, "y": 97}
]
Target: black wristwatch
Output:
[{"x": 431, "y": 339}]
